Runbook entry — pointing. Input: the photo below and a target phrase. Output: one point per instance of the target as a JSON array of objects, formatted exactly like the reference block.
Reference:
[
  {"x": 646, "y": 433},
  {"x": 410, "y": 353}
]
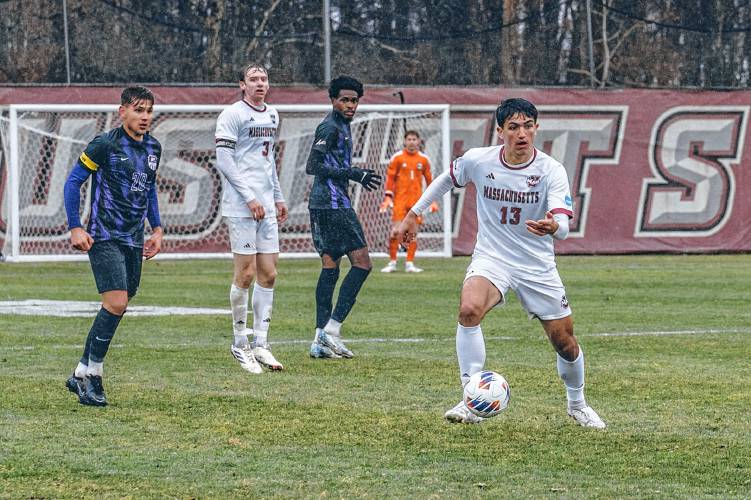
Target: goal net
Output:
[{"x": 41, "y": 143}]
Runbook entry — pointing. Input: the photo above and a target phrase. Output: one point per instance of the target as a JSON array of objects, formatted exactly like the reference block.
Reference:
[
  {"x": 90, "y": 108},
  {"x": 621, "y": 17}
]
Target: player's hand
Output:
[
  {"x": 388, "y": 202},
  {"x": 407, "y": 230},
  {"x": 256, "y": 209},
  {"x": 80, "y": 239},
  {"x": 154, "y": 244},
  {"x": 433, "y": 207},
  {"x": 281, "y": 212},
  {"x": 367, "y": 177},
  {"x": 541, "y": 227}
]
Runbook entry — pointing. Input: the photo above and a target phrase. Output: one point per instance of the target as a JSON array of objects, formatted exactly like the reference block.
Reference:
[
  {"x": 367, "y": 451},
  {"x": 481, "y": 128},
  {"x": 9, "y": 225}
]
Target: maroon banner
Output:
[{"x": 650, "y": 170}]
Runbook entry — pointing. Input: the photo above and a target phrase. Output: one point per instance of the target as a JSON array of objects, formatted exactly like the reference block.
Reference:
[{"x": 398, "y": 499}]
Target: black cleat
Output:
[
  {"x": 94, "y": 391},
  {"x": 77, "y": 387}
]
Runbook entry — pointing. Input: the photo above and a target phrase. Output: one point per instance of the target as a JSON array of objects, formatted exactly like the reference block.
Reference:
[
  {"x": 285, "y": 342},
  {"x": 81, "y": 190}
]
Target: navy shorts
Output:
[
  {"x": 116, "y": 266},
  {"x": 336, "y": 232}
]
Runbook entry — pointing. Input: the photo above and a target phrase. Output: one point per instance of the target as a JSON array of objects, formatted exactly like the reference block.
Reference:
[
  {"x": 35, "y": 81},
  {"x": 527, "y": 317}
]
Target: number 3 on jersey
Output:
[
  {"x": 266, "y": 148},
  {"x": 516, "y": 215}
]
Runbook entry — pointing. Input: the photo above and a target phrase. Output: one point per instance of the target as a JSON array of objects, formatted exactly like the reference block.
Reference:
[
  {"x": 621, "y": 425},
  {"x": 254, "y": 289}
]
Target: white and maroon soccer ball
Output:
[{"x": 486, "y": 394}]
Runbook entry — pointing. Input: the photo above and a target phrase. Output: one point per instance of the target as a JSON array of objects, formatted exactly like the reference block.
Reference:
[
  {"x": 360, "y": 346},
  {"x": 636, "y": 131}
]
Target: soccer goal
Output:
[{"x": 41, "y": 143}]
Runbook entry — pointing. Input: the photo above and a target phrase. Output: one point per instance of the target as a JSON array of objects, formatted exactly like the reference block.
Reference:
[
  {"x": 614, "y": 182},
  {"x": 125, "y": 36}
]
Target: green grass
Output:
[{"x": 185, "y": 421}]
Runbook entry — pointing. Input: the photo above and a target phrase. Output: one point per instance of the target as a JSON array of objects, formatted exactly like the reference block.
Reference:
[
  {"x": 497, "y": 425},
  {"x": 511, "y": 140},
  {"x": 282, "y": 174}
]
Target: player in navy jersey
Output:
[
  {"x": 334, "y": 224},
  {"x": 122, "y": 164}
]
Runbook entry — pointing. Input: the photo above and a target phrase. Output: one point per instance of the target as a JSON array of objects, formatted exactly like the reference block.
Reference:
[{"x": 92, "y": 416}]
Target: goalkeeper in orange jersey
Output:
[{"x": 403, "y": 188}]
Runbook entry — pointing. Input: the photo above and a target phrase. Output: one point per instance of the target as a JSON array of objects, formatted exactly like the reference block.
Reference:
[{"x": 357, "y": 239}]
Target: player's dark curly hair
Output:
[
  {"x": 134, "y": 94},
  {"x": 344, "y": 83},
  {"x": 512, "y": 107}
]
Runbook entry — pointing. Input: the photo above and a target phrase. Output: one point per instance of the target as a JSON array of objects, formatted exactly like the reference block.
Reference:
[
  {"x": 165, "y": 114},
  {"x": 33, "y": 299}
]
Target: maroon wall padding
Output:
[{"x": 650, "y": 170}]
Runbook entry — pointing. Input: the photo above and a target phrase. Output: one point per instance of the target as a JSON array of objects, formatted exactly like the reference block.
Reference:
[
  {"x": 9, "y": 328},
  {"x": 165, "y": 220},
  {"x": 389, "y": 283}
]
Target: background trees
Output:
[{"x": 649, "y": 43}]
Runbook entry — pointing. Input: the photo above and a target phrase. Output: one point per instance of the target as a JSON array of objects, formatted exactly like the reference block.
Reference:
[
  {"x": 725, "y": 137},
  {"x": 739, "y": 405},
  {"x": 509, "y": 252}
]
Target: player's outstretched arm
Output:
[
  {"x": 153, "y": 245},
  {"x": 79, "y": 238},
  {"x": 407, "y": 229},
  {"x": 555, "y": 225}
]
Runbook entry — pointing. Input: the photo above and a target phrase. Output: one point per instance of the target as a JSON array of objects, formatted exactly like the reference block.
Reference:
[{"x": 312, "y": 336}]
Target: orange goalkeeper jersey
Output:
[{"x": 404, "y": 180}]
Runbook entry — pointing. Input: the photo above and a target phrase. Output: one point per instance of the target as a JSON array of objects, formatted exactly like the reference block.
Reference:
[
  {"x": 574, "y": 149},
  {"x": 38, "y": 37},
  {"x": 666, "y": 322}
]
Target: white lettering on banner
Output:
[
  {"x": 189, "y": 194},
  {"x": 580, "y": 137},
  {"x": 692, "y": 151},
  {"x": 41, "y": 202}
]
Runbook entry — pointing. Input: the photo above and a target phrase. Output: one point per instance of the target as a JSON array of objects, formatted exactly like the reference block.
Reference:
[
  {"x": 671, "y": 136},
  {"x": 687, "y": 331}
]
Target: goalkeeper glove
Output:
[
  {"x": 388, "y": 202},
  {"x": 433, "y": 207},
  {"x": 368, "y": 178}
]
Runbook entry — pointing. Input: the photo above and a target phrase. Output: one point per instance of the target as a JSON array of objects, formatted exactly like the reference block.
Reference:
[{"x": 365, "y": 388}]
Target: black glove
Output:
[{"x": 368, "y": 178}]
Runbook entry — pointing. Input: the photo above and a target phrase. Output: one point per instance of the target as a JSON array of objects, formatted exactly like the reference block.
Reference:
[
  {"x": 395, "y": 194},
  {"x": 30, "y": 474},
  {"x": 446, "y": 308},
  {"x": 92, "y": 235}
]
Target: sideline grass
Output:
[{"x": 185, "y": 421}]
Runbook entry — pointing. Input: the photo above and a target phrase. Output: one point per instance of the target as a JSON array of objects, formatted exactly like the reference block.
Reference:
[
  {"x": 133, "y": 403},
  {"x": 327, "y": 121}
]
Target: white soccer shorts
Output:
[
  {"x": 541, "y": 295},
  {"x": 249, "y": 237}
]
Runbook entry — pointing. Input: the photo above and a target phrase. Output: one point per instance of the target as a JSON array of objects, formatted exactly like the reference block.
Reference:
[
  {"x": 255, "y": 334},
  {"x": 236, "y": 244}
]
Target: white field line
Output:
[
  {"x": 222, "y": 341},
  {"x": 80, "y": 309}
]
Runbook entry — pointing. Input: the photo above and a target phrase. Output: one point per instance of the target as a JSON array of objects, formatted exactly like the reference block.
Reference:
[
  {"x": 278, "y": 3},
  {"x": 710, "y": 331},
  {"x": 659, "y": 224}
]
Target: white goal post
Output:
[{"x": 41, "y": 143}]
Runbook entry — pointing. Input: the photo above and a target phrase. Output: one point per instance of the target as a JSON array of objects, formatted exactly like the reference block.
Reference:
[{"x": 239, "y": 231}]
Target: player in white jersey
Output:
[
  {"x": 523, "y": 204},
  {"x": 253, "y": 206}
]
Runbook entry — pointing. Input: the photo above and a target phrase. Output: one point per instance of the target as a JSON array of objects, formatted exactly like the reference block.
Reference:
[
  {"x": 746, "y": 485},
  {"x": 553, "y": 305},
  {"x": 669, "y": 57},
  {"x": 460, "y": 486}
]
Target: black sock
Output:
[
  {"x": 348, "y": 292},
  {"x": 100, "y": 335},
  {"x": 325, "y": 294}
]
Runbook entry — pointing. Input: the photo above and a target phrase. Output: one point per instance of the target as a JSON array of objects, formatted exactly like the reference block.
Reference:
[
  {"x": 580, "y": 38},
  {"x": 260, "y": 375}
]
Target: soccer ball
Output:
[{"x": 486, "y": 394}]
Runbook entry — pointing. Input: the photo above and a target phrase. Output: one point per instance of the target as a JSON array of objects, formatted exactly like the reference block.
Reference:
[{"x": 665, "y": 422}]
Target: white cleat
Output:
[
  {"x": 587, "y": 417},
  {"x": 246, "y": 358},
  {"x": 390, "y": 267},
  {"x": 335, "y": 343},
  {"x": 410, "y": 267},
  {"x": 460, "y": 414},
  {"x": 263, "y": 355}
]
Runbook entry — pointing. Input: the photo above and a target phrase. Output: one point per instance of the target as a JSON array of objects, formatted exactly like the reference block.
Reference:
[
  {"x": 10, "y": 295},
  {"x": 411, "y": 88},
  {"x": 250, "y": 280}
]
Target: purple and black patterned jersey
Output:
[
  {"x": 333, "y": 140},
  {"x": 123, "y": 174}
]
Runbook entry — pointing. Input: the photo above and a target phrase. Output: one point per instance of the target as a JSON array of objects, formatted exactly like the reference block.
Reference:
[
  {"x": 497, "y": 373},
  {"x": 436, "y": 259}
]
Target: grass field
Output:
[{"x": 667, "y": 340}]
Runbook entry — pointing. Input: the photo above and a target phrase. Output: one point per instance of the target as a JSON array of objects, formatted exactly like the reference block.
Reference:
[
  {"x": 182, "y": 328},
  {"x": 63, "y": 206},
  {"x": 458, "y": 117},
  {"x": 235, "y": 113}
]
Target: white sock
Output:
[
  {"x": 238, "y": 300},
  {"x": 80, "y": 370},
  {"x": 470, "y": 349},
  {"x": 572, "y": 374},
  {"x": 318, "y": 331},
  {"x": 333, "y": 327},
  {"x": 262, "y": 301},
  {"x": 95, "y": 368}
]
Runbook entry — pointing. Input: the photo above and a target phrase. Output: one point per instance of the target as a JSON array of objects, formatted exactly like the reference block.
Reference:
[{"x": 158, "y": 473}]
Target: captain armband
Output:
[{"x": 225, "y": 143}]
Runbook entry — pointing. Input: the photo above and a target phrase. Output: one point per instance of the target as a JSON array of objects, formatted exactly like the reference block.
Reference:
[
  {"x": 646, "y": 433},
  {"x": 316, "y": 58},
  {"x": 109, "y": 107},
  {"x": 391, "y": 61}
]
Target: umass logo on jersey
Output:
[
  {"x": 152, "y": 162},
  {"x": 533, "y": 180}
]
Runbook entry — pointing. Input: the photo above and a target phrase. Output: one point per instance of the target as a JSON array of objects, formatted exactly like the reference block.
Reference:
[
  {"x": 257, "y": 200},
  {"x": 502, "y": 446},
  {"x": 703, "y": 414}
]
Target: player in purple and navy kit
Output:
[
  {"x": 334, "y": 224},
  {"x": 122, "y": 164}
]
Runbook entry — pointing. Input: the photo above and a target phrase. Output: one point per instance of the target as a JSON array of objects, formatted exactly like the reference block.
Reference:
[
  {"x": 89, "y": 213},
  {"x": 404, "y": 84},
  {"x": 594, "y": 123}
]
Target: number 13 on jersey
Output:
[{"x": 511, "y": 215}]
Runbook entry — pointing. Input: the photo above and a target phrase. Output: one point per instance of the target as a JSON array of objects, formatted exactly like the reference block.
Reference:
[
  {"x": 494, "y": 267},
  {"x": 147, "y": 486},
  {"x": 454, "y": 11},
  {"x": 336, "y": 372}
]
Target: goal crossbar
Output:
[{"x": 42, "y": 140}]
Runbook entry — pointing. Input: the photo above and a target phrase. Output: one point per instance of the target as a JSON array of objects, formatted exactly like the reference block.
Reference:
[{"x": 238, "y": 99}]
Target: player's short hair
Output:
[
  {"x": 345, "y": 83},
  {"x": 515, "y": 106},
  {"x": 412, "y": 132},
  {"x": 252, "y": 65},
  {"x": 134, "y": 94}
]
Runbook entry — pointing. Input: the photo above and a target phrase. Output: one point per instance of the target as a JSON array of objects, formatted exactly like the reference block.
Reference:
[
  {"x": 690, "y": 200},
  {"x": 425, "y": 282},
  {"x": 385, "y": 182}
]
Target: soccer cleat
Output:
[
  {"x": 321, "y": 351},
  {"x": 334, "y": 343},
  {"x": 77, "y": 387},
  {"x": 410, "y": 267},
  {"x": 94, "y": 391},
  {"x": 246, "y": 358},
  {"x": 587, "y": 417},
  {"x": 263, "y": 355},
  {"x": 390, "y": 267},
  {"x": 461, "y": 414}
]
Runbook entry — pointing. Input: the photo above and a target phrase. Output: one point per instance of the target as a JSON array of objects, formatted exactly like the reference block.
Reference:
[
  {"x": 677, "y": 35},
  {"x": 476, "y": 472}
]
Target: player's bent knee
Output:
[
  {"x": 116, "y": 303},
  {"x": 470, "y": 314}
]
